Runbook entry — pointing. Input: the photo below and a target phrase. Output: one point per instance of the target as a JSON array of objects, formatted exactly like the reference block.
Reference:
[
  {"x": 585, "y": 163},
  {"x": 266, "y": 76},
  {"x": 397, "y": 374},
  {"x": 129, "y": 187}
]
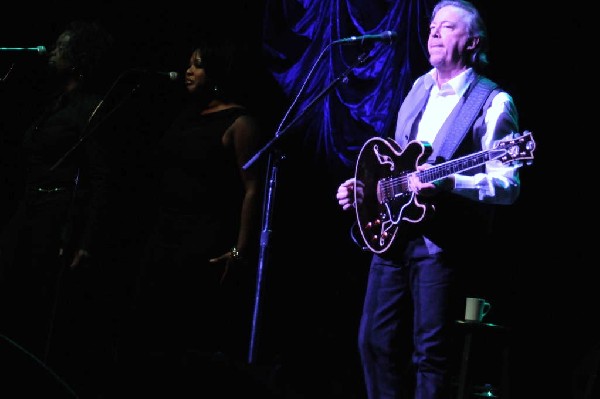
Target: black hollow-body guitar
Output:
[{"x": 384, "y": 169}]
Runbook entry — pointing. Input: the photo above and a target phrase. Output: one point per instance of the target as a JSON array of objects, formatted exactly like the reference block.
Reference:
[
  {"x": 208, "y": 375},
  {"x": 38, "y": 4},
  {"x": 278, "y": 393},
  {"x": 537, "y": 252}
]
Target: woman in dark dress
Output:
[{"x": 195, "y": 296}]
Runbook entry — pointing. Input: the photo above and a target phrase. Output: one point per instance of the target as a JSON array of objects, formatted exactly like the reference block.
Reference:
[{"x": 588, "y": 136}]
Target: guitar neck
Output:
[{"x": 459, "y": 165}]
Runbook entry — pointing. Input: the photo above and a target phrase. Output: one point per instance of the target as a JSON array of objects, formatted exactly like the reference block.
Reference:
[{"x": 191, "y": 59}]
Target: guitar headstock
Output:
[{"x": 517, "y": 149}]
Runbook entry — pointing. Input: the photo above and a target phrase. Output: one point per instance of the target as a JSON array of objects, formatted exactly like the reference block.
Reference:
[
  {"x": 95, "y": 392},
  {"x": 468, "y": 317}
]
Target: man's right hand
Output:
[{"x": 346, "y": 193}]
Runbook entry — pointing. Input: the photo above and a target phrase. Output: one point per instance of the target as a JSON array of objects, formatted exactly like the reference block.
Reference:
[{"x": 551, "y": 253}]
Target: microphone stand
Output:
[{"x": 274, "y": 160}]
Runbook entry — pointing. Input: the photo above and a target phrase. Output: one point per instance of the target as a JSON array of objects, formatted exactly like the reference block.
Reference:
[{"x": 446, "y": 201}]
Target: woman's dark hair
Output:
[{"x": 221, "y": 59}]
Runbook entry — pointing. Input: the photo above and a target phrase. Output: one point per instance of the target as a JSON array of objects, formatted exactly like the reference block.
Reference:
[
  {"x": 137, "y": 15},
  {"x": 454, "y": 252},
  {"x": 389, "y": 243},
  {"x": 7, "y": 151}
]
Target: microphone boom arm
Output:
[
  {"x": 88, "y": 130},
  {"x": 361, "y": 59}
]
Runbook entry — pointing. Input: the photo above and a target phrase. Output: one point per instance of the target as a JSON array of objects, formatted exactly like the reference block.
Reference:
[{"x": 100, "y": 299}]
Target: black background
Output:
[{"x": 543, "y": 281}]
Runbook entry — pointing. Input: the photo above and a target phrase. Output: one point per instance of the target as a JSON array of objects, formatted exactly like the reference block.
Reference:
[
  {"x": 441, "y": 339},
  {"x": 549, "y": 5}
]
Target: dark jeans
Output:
[{"x": 405, "y": 329}]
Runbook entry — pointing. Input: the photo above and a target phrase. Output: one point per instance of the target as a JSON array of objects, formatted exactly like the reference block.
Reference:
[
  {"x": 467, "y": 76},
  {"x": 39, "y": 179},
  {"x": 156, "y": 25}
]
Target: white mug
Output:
[{"x": 476, "y": 309}]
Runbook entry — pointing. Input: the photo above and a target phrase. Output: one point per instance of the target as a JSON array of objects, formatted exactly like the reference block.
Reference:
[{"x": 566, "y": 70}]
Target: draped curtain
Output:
[{"x": 341, "y": 95}]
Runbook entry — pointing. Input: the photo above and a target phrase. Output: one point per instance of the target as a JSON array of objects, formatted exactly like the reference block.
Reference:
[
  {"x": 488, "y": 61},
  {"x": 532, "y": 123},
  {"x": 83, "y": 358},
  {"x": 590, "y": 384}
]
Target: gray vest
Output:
[{"x": 458, "y": 123}]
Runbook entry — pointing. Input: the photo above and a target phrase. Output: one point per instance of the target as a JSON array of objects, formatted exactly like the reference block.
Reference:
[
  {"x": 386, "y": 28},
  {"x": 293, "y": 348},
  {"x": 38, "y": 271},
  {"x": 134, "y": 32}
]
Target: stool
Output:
[{"x": 496, "y": 339}]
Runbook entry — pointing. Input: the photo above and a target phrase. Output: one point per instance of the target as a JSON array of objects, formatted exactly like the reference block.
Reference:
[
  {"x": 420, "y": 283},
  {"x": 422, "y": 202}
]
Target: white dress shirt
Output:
[{"x": 500, "y": 183}]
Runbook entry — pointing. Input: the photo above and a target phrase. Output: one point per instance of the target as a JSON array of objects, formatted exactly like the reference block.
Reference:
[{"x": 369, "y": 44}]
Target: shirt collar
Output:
[{"x": 457, "y": 84}]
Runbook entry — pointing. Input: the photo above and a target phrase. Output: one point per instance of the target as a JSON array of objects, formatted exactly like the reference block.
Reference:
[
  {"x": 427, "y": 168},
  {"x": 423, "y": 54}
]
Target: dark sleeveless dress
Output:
[
  {"x": 181, "y": 306},
  {"x": 200, "y": 188}
]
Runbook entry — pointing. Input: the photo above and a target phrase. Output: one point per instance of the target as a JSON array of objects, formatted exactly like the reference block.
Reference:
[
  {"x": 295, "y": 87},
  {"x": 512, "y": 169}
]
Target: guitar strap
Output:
[{"x": 448, "y": 139}]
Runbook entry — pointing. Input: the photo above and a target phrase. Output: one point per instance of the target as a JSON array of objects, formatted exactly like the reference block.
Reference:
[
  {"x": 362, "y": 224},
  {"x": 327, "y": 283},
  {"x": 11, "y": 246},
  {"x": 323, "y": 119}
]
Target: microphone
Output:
[
  {"x": 169, "y": 75},
  {"x": 39, "y": 49},
  {"x": 387, "y": 36}
]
